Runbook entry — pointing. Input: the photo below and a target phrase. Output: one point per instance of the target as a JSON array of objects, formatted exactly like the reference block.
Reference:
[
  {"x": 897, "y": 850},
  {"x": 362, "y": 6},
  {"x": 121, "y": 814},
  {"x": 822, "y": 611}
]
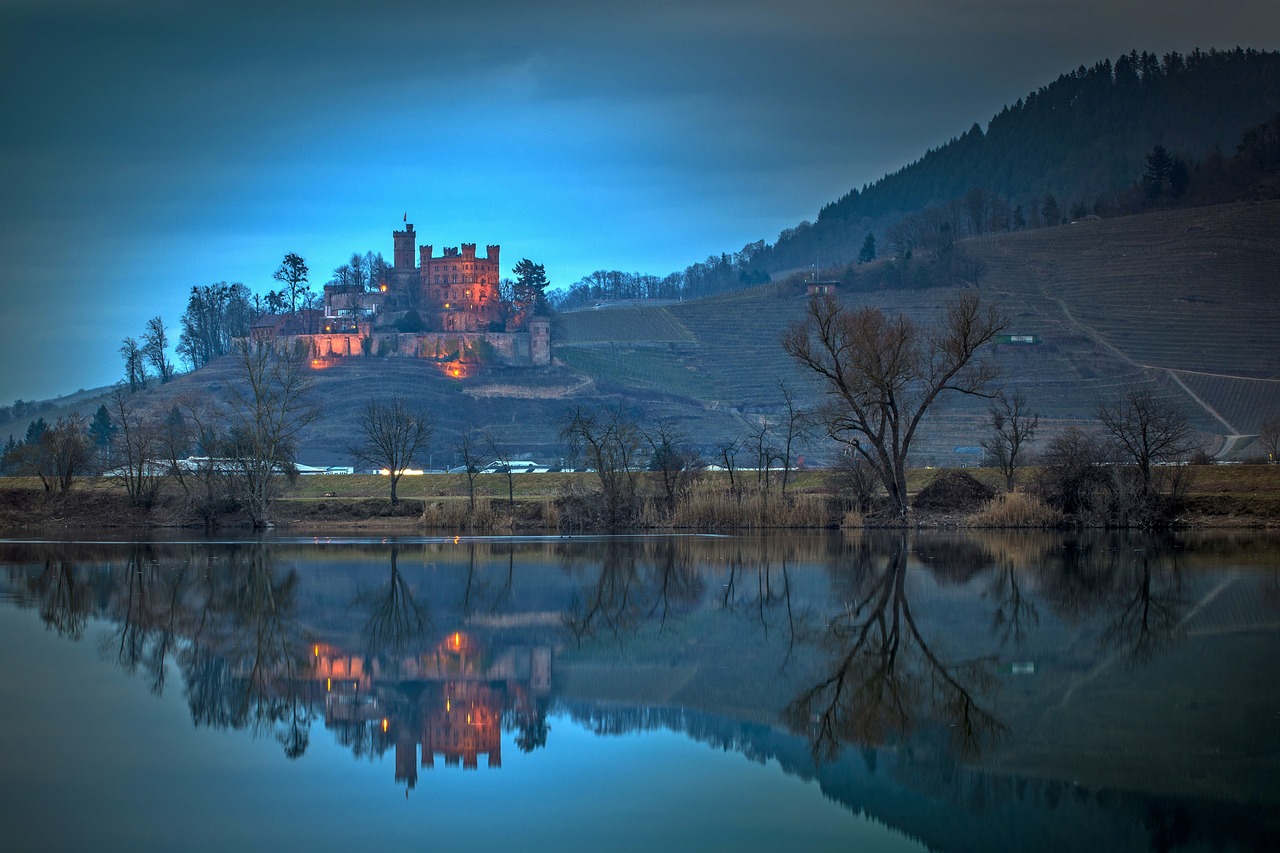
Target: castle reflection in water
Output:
[{"x": 445, "y": 704}]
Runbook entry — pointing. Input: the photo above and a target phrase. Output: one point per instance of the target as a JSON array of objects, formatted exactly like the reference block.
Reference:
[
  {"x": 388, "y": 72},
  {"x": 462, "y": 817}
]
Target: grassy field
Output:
[{"x": 1221, "y": 495}]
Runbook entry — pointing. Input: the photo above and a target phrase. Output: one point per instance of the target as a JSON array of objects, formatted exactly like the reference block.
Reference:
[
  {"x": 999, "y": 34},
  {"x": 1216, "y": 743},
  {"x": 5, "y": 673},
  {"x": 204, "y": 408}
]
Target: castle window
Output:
[{"x": 468, "y": 294}]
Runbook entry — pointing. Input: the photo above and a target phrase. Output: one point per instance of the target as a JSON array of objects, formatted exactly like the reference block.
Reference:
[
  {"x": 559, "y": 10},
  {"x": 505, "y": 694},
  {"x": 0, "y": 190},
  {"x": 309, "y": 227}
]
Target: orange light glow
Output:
[
  {"x": 321, "y": 363},
  {"x": 383, "y": 288},
  {"x": 317, "y": 651},
  {"x": 328, "y": 684},
  {"x": 385, "y": 723},
  {"x": 456, "y": 369}
]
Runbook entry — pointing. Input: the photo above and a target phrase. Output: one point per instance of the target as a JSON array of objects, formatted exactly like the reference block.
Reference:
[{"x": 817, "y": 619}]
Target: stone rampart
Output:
[{"x": 518, "y": 349}]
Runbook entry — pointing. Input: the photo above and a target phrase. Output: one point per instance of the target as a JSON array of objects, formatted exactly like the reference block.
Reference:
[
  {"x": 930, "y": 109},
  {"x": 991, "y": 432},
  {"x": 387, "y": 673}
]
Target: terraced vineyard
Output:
[{"x": 1187, "y": 300}]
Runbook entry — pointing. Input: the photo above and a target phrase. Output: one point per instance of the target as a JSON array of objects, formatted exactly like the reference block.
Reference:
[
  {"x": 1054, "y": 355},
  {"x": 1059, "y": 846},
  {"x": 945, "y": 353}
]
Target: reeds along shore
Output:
[
  {"x": 1219, "y": 496},
  {"x": 713, "y": 507}
]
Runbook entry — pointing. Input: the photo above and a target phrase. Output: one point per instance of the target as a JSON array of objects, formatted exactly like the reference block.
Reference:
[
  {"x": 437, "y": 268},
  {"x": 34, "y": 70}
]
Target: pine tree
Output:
[{"x": 868, "y": 253}]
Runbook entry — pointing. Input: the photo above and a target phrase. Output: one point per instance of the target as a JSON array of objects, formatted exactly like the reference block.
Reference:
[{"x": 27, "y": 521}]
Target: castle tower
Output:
[{"x": 405, "y": 243}]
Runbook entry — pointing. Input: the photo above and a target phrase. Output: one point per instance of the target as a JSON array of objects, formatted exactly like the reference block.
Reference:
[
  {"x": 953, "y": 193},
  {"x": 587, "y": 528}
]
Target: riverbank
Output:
[{"x": 1226, "y": 496}]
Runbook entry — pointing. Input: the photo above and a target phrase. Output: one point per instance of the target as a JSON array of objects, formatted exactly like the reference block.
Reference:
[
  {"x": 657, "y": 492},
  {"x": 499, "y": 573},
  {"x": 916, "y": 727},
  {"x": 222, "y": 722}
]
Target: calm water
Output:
[{"x": 985, "y": 692}]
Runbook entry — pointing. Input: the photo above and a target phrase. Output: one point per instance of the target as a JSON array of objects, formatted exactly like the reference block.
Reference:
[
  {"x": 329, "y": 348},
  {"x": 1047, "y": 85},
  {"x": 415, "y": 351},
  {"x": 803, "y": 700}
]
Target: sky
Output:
[{"x": 149, "y": 147}]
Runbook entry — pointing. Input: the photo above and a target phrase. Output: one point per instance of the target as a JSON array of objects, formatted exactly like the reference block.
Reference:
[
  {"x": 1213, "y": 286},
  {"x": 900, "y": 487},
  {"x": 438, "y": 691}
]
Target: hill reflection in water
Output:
[{"x": 972, "y": 692}]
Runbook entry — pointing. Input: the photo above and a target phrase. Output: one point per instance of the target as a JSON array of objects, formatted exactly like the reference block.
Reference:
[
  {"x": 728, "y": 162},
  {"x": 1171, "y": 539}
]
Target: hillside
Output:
[{"x": 1185, "y": 299}]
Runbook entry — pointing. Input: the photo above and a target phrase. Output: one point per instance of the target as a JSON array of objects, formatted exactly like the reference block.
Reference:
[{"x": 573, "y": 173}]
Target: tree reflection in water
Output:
[
  {"x": 1015, "y": 611},
  {"x": 885, "y": 681},
  {"x": 1137, "y": 582},
  {"x": 60, "y": 594},
  {"x": 630, "y": 590},
  {"x": 1145, "y": 607},
  {"x": 249, "y": 662},
  {"x": 396, "y": 623}
]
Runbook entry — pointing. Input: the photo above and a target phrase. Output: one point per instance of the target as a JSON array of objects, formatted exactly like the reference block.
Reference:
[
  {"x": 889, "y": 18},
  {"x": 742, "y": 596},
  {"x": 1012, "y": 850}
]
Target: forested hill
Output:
[
  {"x": 1077, "y": 146},
  {"x": 1084, "y": 137}
]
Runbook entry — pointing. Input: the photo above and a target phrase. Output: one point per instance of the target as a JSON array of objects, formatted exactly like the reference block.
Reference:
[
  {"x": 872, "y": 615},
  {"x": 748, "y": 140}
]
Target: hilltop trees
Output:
[
  {"x": 155, "y": 342},
  {"x": 292, "y": 273},
  {"x": 527, "y": 294},
  {"x": 881, "y": 375},
  {"x": 216, "y": 315},
  {"x": 135, "y": 364}
]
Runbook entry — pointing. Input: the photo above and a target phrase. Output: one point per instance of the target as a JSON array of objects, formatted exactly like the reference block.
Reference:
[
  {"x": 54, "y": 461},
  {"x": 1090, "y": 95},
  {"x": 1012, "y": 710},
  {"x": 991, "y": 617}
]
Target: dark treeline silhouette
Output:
[{"x": 1105, "y": 140}]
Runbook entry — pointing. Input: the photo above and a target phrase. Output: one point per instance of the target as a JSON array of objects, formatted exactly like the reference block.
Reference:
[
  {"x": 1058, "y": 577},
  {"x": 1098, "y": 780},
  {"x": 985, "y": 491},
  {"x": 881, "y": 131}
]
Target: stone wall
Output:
[{"x": 519, "y": 349}]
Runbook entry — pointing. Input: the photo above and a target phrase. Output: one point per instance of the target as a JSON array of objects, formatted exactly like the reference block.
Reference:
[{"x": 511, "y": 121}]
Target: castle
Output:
[
  {"x": 456, "y": 292},
  {"x": 447, "y": 309}
]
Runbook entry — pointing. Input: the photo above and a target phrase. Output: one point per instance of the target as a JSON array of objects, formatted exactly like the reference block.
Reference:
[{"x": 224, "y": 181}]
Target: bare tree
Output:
[
  {"x": 610, "y": 443},
  {"x": 727, "y": 452},
  {"x": 154, "y": 345},
  {"x": 882, "y": 374},
  {"x": 269, "y": 409},
  {"x": 1150, "y": 430},
  {"x": 1013, "y": 427},
  {"x": 796, "y": 424},
  {"x": 675, "y": 463},
  {"x": 136, "y": 445},
  {"x": 503, "y": 463},
  {"x": 135, "y": 364},
  {"x": 472, "y": 461},
  {"x": 1071, "y": 477},
  {"x": 760, "y": 443},
  {"x": 855, "y": 480},
  {"x": 393, "y": 435},
  {"x": 65, "y": 451},
  {"x": 204, "y": 478},
  {"x": 1269, "y": 438}
]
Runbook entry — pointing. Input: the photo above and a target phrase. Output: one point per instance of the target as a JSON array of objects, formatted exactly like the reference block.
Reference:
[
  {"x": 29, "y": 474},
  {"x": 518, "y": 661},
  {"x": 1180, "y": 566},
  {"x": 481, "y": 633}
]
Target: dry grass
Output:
[
  {"x": 1015, "y": 509},
  {"x": 711, "y": 507}
]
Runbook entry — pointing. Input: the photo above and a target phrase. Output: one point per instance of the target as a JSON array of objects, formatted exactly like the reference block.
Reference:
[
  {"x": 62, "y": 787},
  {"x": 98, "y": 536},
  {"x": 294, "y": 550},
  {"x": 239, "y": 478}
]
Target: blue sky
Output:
[{"x": 146, "y": 147}]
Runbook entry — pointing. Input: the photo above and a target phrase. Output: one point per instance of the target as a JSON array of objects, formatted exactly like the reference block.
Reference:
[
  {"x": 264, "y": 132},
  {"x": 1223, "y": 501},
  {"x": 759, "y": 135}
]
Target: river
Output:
[{"x": 899, "y": 691}]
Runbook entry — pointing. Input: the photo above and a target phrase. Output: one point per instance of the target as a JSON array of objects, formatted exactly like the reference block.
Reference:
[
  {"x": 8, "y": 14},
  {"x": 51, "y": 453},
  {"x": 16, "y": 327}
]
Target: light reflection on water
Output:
[{"x": 963, "y": 692}]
